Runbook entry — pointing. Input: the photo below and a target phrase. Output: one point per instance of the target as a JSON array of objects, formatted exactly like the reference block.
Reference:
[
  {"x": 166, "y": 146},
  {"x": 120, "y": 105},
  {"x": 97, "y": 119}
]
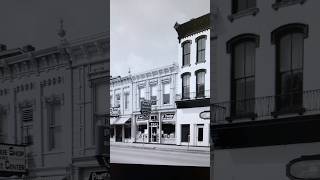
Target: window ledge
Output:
[
  {"x": 187, "y": 65},
  {"x": 200, "y": 62},
  {"x": 286, "y": 111},
  {"x": 250, "y": 115},
  {"x": 247, "y": 12},
  {"x": 278, "y": 5}
]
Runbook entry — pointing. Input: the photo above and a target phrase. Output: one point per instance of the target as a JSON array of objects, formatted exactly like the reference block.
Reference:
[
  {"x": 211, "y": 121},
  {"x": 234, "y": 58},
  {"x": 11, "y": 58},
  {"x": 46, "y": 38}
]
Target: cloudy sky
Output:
[
  {"x": 36, "y": 21},
  {"x": 142, "y": 33}
]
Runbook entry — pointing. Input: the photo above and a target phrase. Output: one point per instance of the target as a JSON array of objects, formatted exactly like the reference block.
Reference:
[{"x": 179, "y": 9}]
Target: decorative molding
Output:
[
  {"x": 251, "y": 11},
  {"x": 26, "y": 103},
  {"x": 288, "y": 28},
  {"x": 242, "y": 37},
  {"x": 54, "y": 99},
  {"x": 278, "y": 5}
]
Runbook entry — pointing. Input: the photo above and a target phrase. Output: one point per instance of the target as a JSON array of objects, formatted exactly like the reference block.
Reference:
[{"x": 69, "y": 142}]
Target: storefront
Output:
[
  {"x": 120, "y": 129},
  {"x": 159, "y": 128}
]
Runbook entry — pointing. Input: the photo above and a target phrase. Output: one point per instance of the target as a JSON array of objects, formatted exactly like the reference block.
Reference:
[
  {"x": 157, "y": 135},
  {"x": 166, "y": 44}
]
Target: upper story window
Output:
[
  {"x": 186, "y": 85},
  {"x": 111, "y": 101},
  {"x": 243, "y": 50},
  {"x": 166, "y": 93},
  {"x": 126, "y": 100},
  {"x": 55, "y": 126},
  {"x": 118, "y": 100},
  {"x": 242, "y": 8},
  {"x": 201, "y": 49},
  {"x": 153, "y": 94},
  {"x": 142, "y": 95},
  {"x": 289, "y": 44},
  {"x": 241, "y": 5},
  {"x": 283, "y": 3},
  {"x": 186, "y": 53},
  {"x": 200, "y": 83}
]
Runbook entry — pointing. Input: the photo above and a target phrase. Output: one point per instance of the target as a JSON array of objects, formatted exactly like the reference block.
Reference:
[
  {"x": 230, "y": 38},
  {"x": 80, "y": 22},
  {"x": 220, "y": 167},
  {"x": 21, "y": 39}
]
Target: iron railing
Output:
[
  {"x": 193, "y": 95},
  {"x": 268, "y": 107}
]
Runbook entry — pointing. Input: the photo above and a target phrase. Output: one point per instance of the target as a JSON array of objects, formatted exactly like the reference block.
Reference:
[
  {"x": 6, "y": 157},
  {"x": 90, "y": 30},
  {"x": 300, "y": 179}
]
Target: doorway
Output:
[
  {"x": 199, "y": 135},
  {"x": 118, "y": 133}
]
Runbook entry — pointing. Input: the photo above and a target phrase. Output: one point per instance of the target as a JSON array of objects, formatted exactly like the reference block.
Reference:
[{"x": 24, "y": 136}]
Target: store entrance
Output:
[
  {"x": 118, "y": 133},
  {"x": 199, "y": 135},
  {"x": 154, "y": 132}
]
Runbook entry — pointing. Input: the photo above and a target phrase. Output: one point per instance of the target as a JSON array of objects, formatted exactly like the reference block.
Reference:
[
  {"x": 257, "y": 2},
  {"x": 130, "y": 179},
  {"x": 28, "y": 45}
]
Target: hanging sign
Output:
[
  {"x": 304, "y": 168},
  {"x": 12, "y": 159},
  {"x": 205, "y": 115}
]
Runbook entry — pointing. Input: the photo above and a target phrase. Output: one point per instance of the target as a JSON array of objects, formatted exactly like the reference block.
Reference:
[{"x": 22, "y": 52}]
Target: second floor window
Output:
[
  {"x": 201, "y": 49},
  {"x": 153, "y": 94},
  {"x": 55, "y": 126},
  {"x": 185, "y": 86},
  {"x": 142, "y": 95},
  {"x": 200, "y": 83},
  {"x": 126, "y": 100},
  {"x": 289, "y": 41},
  {"x": 186, "y": 53},
  {"x": 166, "y": 93},
  {"x": 241, "y": 5},
  {"x": 117, "y": 100}
]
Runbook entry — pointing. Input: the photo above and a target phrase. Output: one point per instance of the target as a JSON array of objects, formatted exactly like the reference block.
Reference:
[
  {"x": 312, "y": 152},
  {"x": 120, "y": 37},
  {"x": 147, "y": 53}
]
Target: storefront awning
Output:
[
  {"x": 122, "y": 120},
  {"x": 113, "y": 120}
]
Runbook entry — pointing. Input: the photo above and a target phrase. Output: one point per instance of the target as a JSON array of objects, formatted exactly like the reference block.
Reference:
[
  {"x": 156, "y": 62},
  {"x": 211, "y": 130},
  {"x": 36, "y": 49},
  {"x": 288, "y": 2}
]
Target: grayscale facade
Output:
[{"x": 51, "y": 100}]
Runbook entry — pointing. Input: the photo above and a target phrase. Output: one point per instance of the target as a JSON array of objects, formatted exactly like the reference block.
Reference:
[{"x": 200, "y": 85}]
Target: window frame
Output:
[
  {"x": 187, "y": 42},
  {"x": 183, "y": 86},
  {"x": 197, "y": 72},
  {"x": 236, "y": 13},
  {"x": 204, "y": 38},
  {"x": 280, "y": 4}
]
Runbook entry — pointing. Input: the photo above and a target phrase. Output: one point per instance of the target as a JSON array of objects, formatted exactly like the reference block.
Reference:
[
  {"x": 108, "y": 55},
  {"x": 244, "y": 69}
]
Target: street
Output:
[{"x": 130, "y": 155}]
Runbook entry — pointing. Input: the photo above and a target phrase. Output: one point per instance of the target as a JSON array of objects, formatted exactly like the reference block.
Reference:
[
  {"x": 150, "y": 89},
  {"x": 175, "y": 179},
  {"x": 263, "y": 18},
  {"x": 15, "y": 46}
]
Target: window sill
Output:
[
  {"x": 278, "y": 5},
  {"x": 250, "y": 115},
  {"x": 200, "y": 62},
  {"x": 247, "y": 12},
  {"x": 184, "y": 66},
  {"x": 289, "y": 110}
]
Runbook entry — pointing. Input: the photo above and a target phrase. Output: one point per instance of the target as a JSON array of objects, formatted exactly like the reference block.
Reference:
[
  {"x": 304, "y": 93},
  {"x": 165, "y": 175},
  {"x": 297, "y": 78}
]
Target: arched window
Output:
[
  {"x": 186, "y": 85},
  {"x": 186, "y": 53},
  {"x": 289, "y": 44},
  {"x": 241, "y": 5},
  {"x": 200, "y": 82},
  {"x": 201, "y": 49},
  {"x": 243, "y": 52}
]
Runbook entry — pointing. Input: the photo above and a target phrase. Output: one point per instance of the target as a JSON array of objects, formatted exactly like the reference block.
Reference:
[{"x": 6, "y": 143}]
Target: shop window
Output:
[
  {"x": 127, "y": 131},
  {"x": 168, "y": 130},
  {"x": 185, "y": 132}
]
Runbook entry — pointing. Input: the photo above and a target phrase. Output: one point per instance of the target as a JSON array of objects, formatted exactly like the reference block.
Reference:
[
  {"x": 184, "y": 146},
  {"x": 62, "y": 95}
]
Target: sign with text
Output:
[
  {"x": 12, "y": 158},
  {"x": 114, "y": 112},
  {"x": 205, "y": 115},
  {"x": 145, "y": 108},
  {"x": 167, "y": 116},
  {"x": 99, "y": 175},
  {"x": 305, "y": 167}
]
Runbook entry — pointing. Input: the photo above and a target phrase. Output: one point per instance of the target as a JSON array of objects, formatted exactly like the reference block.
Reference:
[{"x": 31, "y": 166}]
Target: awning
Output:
[
  {"x": 122, "y": 120},
  {"x": 113, "y": 120}
]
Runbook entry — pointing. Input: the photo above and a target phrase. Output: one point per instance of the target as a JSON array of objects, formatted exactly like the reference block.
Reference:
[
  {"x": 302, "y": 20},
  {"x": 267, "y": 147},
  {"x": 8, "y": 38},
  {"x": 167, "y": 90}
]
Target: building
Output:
[
  {"x": 193, "y": 84},
  {"x": 51, "y": 101},
  {"x": 157, "y": 85},
  {"x": 121, "y": 109},
  {"x": 265, "y": 105}
]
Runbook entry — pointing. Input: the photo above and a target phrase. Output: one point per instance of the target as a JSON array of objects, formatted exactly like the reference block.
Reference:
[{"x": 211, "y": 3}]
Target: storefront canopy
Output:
[
  {"x": 121, "y": 120},
  {"x": 113, "y": 120}
]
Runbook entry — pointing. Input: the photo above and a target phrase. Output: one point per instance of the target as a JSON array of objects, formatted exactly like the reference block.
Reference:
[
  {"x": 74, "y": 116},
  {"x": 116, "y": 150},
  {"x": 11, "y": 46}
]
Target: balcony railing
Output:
[
  {"x": 193, "y": 95},
  {"x": 268, "y": 107}
]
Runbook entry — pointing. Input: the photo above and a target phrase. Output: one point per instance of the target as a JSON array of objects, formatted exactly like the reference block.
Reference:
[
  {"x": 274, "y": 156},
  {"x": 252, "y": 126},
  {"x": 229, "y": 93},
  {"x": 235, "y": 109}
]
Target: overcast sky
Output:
[
  {"x": 142, "y": 33},
  {"x": 36, "y": 21}
]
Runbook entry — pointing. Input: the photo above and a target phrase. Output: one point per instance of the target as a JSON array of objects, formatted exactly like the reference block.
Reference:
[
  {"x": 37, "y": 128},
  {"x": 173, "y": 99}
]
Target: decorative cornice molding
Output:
[{"x": 54, "y": 99}]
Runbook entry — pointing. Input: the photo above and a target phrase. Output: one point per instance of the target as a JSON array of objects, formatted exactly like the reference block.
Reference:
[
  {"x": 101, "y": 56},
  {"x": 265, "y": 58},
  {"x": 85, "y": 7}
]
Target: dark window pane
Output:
[
  {"x": 185, "y": 132},
  {"x": 249, "y": 58},
  {"x": 297, "y": 50},
  {"x": 239, "y": 60},
  {"x": 285, "y": 53},
  {"x": 200, "y": 134},
  {"x": 166, "y": 98}
]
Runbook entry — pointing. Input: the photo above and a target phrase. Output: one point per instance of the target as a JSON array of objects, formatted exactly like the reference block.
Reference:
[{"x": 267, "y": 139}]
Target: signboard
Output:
[
  {"x": 114, "y": 112},
  {"x": 167, "y": 116},
  {"x": 205, "y": 115},
  {"x": 12, "y": 158},
  {"x": 99, "y": 175},
  {"x": 304, "y": 168},
  {"x": 154, "y": 124},
  {"x": 145, "y": 108}
]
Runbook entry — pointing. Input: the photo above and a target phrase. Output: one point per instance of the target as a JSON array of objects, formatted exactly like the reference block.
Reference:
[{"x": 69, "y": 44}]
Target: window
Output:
[
  {"x": 186, "y": 53},
  {"x": 289, "y": 41},
  {"x": 242, "y": 50},
  {"x": 142, "y": 95},
  {"x": 117, "y": 100},
  {"x": 27, "y": 134},
  {"x": 3, "y": 127},
  {"x": 111, "y": 101},
  {"x": 240, "y": 5},
  {"x": 201, "y": 49},
  {"x": 126, "y": 100},
  {"x": 153, "y": 94},
  {"x": 166, "y": 93},
  {"x": 27, "y": 114},
  {"x": 186, "y": 85},
  {"x": 55, "y": 127},
  {"x": 27, "y": 118},
  {"x": 185, "y": 132},
  {"x": 283, "y": 3},
  {"x": 200, "y": 83}
]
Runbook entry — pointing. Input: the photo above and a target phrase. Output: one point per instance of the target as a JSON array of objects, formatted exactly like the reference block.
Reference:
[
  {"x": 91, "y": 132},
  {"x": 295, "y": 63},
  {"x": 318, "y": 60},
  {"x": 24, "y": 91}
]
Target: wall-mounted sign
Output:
[
  {"x": 205, "y": 115},
  {"x": 12, "y": 159},
  {"x": 304, "y": 168},
  {"x": 154, "y": 124},
  {"x": 115, "y": 111},
  {"x": 140, "y": 117},
  {"x": 145, "y": 108},
  {"x": 99, "y": 175},
  {"x": 167, "y": 116}
]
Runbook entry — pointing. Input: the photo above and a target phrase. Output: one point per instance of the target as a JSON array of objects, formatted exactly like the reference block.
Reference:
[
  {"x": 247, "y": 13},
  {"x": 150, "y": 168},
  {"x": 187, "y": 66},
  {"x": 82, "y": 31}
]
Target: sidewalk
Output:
[{"x": 163, "y": 147}]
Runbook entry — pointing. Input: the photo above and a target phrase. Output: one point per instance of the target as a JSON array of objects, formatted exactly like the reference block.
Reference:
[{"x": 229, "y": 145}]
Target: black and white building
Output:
[
  {"x": 193, "y": 84},
  {"x": 265, "y": 95}
]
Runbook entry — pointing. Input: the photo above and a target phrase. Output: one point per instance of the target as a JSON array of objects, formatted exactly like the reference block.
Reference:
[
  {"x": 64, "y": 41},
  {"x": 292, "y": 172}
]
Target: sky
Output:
[
  {"x": 36, "y": 22},
  {"x": 142, "y": 33}
]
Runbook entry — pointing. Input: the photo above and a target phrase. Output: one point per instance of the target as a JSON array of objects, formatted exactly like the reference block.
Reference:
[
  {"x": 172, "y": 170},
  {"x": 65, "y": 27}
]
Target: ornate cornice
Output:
[{"x": 54, "y": 99}]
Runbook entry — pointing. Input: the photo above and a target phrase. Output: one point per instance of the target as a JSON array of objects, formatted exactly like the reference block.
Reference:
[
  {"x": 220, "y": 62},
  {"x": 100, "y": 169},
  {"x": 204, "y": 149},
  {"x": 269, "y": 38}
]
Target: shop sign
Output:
[
  {"x": 12, "y": 159},
  {"x": 154, "y": 124},
  {"x": 140, "y": 117},
  {"x": 145, "y": 108},
  {"x": 114, "y": 112},
  {"x": 205, "y": 115},
  {"x": 167, "y": 116},
  {"x": 304, "y": 168},
  {"x": 99, "y": 175}
]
